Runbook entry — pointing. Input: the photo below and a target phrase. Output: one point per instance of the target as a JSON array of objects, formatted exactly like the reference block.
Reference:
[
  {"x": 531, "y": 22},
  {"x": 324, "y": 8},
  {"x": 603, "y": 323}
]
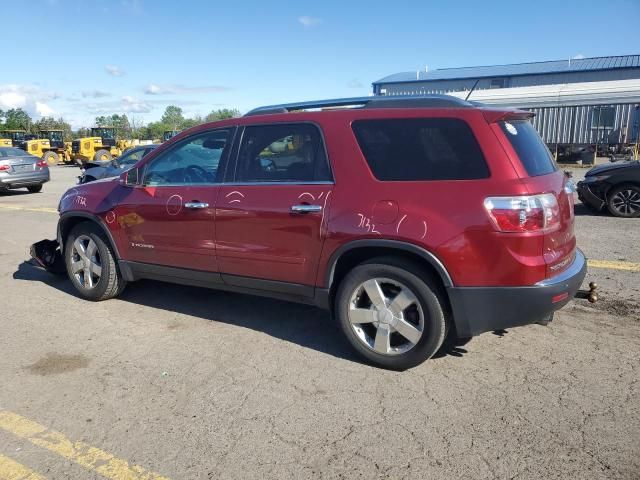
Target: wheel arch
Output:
[{"x": 68, "y": 220}]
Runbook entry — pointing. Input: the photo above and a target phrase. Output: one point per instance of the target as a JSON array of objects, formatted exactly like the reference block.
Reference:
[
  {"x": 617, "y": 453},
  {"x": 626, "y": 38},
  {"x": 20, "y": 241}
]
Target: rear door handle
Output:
[
  {"x": 195, "y": 205},
  {"x": 305, "y": 208}
]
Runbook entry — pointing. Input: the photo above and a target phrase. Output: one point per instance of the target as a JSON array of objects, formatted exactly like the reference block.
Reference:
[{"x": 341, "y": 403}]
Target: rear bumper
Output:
[
  {"x": 18, "y": 181},
  {"x": 484, "y": 309}
]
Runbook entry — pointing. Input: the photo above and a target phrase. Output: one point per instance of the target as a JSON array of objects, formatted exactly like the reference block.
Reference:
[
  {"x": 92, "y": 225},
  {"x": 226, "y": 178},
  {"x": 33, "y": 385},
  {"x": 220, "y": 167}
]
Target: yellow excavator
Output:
[
  {"x": 50, "y": 147},
  {"x": 12, "y": 138},
  {"x": 101, "y": 145}
]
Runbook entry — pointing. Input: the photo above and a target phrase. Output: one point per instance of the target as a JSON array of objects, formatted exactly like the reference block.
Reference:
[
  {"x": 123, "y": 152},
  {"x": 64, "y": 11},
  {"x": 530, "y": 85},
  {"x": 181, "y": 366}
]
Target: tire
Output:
[
  {"x": 35, "y": 188},
  {"x": 426, "y": 313},
  {"x": 624, "y": 201},
  {"x": 102, "y": 155},
  {"x": 51, "y": 158},
  {"x": 91, "y": 286}
]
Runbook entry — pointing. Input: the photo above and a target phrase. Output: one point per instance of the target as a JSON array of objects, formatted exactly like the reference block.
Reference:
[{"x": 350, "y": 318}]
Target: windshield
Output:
[
  {"x": 12, "y": 152},
  {"x": 53, "y": 136},
  {"x": 532, "y": 151},
  {"x": 102, "y": 132}
]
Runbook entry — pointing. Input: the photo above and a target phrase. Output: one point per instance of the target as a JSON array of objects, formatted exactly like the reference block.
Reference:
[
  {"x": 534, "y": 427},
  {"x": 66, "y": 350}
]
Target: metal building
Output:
[{"x": 586, "y": 104}]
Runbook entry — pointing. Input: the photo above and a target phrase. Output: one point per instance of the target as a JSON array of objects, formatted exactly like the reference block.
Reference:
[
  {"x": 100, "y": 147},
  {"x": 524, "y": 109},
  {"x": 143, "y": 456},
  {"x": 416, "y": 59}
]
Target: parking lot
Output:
[{"x": 186, "y": 383}]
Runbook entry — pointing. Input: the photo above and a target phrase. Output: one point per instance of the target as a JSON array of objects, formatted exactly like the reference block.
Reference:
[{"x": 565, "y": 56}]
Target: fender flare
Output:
[
  {"x": 89, "y": 216},
  {"x": 391, "y": 244}
]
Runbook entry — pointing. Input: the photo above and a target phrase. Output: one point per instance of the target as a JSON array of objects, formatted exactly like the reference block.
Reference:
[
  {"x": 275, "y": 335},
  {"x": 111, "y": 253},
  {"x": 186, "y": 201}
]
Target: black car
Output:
[
  {"x": 112, "y": 168},
  {"x": 615, "y": 186}
]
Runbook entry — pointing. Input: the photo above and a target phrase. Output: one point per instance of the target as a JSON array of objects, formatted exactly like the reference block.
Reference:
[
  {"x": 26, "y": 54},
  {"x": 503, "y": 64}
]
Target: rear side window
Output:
[
  {"x": 533, "y": 153},
  {"x": 420, "y": 149}
]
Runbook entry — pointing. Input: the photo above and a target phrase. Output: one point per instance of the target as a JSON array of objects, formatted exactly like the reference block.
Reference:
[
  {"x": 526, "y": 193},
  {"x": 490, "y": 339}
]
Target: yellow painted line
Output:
[
  {"x": 83, "y": 454},
  {"x": 12, "y": 470},
  {"x": 615, "y": 265},
  {"x": 28, "y": 209}
]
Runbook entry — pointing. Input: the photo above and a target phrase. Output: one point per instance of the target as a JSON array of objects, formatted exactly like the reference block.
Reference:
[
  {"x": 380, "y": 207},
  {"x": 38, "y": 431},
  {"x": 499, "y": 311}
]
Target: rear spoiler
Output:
[{"x": 496, "y": 115}]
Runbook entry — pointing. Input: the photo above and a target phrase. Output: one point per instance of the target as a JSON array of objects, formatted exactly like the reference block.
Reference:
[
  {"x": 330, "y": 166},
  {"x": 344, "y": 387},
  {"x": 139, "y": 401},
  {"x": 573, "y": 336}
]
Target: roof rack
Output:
[{"x": 391, "y": 101}]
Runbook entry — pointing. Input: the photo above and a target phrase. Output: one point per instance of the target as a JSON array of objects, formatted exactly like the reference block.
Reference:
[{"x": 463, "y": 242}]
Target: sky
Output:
[{"x": 79, "y": 59}]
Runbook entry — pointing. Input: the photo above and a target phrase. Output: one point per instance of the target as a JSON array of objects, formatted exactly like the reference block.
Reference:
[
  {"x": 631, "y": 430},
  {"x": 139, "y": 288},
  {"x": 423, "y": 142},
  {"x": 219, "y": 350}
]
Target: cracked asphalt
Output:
[{"x": 198, "y": 384}]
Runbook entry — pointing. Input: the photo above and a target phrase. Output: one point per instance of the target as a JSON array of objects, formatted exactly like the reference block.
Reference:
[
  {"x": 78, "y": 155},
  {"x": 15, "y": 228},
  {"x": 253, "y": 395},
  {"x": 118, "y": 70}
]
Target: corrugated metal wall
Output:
[{"x": 576, "y": 125}]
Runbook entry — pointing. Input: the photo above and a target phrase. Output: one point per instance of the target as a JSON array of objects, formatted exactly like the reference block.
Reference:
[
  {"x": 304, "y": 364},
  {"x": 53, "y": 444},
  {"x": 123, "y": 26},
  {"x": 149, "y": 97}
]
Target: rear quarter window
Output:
[
  {"x": 532, "y": 151},
  {"x": 420, "y": 149}
]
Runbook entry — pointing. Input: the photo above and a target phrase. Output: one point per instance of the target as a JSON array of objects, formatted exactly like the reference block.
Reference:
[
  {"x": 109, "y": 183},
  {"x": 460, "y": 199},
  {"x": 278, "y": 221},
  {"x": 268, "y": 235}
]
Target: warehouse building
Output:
[{"x": 582, "y": 105}]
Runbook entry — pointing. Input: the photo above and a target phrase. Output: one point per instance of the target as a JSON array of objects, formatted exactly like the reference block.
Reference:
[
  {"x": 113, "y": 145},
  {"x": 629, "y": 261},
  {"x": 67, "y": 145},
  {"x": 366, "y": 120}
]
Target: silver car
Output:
[{"x": 18, "y": 169}]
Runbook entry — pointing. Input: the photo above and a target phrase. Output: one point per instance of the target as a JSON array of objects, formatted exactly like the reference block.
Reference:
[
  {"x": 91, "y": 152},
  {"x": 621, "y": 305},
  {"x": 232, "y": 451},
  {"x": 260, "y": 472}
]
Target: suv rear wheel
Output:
[
  {"x": 91, "y": 264},
  {"x": 391, "y": 312}
]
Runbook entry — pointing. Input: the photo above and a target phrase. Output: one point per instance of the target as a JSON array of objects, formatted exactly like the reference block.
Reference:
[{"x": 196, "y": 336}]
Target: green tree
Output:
[
  {"x": 222, "y": 114},
  {"x": 16, "y": 119},
  {"x": 173, "y": 118}
]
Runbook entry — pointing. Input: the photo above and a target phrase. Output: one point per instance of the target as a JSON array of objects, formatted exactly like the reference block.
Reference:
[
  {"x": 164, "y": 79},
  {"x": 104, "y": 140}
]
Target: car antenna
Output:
[{"x": 472, "y": 89}]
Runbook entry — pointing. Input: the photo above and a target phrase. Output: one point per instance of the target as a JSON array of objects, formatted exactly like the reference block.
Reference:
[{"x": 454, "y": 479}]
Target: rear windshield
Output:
[
  {"x": 12, "y": 152},
  {"x": 534, "y": 154},
  {"x": 420, "y": 149}
]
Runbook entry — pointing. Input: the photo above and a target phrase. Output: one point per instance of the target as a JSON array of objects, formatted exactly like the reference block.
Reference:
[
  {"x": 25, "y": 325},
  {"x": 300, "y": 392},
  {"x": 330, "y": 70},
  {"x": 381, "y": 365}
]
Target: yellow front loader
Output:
[
  {"x": 50, "y": 147},
  {"x": 100, "y": 146},
  {"x": 12, "y": 138}
]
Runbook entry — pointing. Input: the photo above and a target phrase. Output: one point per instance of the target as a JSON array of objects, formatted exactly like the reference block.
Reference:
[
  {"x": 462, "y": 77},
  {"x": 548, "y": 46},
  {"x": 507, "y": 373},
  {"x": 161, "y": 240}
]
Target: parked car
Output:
[
  {"x": 112, "y": 168},
  {"x": 19, "y": 169},
  {"x": 614, "y": 186},
  {"x": 408, "y": 218}
]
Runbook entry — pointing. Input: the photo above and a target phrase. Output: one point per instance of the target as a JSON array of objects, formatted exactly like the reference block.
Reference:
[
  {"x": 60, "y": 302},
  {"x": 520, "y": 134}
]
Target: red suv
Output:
[{"x": 408, "y": 218}]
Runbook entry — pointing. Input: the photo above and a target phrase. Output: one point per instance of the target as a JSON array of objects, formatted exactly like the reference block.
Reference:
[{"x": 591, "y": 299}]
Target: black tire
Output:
[
  {"x": 110, "y": 283},
  {"x": 35, "y": 188},
  {"x": 422, "y": 285},
  {"x": 617, "y": 194},
  {"x": 103, "y": 153},
  {"x": 51, "y": 158}
]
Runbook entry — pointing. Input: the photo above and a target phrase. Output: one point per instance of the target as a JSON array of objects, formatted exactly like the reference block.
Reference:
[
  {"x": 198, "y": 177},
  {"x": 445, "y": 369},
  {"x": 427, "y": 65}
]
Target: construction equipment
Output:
[
  {"x": 50, "y": 146},
  {"x": 12, "y": 138},
  {"x": 169, "y": 134},
  {"x": 100, "y": 146}
]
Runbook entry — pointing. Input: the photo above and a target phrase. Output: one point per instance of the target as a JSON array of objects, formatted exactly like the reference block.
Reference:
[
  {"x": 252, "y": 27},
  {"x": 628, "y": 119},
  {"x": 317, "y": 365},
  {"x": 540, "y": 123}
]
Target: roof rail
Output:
[{"x": 391, "y": 101}]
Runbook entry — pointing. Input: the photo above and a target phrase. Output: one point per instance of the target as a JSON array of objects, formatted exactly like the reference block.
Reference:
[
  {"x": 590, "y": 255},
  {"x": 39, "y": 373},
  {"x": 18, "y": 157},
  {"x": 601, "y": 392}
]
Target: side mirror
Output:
[{"x": 130, "y": 178}]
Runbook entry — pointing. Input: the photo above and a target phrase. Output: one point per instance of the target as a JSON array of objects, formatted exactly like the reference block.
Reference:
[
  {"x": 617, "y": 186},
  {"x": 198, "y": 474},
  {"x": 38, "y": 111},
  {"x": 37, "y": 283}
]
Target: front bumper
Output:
[
  {"x": 484, "y": 309},
  {"x": 588, "y": 197}
]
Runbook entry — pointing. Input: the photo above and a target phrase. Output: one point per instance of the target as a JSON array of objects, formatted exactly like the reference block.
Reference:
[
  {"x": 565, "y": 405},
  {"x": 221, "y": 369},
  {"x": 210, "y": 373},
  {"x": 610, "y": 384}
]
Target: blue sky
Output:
[{"x": 79, "y": 59}]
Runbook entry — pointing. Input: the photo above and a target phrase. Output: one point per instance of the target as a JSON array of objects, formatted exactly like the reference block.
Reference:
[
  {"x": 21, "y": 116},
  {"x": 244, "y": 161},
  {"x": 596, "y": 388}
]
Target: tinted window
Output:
[
  {"x": 282, "y": 153},
  {"x": 420, "y": 149},
  {"x": 193, "y": 161},
  {"x": 533, "y": 153},
  {"x": 12, "y": 152}
]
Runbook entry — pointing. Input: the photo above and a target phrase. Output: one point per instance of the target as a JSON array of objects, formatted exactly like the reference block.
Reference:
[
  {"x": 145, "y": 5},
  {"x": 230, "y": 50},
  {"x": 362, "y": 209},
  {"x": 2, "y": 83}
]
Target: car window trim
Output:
[
  {"x": 236, "y": 154},
  {"x": 222, "y": 164}
]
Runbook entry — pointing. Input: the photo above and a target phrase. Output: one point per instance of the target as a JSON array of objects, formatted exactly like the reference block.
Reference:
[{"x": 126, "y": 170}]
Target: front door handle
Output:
[
  {"x": 196, "y": 205},
  {"x": 306, "y": 208}
]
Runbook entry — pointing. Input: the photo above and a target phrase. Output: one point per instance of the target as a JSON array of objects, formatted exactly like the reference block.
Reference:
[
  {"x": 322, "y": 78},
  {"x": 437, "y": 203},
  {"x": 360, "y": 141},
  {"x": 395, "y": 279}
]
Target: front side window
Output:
[
  {"x": 282, "y": 153},
  {"x": 418, "y": 149},
  {"x": 194, "y": 161}
]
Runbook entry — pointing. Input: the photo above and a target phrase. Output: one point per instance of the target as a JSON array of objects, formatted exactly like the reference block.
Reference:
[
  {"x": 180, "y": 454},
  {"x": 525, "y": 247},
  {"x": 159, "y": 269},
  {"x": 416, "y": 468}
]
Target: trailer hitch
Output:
[
  {"x": 591, "y": 294},
  {"x": 47, "y": 254}
]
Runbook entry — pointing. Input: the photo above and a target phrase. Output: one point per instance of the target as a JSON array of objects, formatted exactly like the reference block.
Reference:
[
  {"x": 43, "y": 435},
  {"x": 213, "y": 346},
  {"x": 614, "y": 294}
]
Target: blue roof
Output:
[{"x": 534, "y": 68}]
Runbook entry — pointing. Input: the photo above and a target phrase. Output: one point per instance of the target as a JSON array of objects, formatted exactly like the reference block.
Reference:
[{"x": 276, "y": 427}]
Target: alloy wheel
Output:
[
  {"x": 386, "y": 316},
  {"x": 86, "y": 264},
  {"x": 626, "y": 202}
]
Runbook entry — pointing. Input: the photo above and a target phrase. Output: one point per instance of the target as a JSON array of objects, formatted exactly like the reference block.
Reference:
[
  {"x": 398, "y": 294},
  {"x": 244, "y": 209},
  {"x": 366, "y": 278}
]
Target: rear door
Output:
[
  {"x": 271, "y": 217},
  {"x": 169, "y": 219}
]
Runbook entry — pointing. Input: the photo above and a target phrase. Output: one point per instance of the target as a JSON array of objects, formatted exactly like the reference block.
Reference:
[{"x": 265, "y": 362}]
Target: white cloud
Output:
[
  {"x": 308, "y": 21},
  {"x": 578, "y": 57},
  {"x": 30, "y": 98},
  {"x": 134, "y": 105},
  {"x": 94, "y": 94},
  {"x": 156, "y": 89},
  {"x": 114, "y": 70}
]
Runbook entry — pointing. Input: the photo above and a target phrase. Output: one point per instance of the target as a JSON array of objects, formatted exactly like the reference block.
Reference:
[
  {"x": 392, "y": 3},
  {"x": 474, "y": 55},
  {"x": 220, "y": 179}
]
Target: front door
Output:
[
  {"x": 271, "y": 218},
  {"x": 169, "y": 219}
]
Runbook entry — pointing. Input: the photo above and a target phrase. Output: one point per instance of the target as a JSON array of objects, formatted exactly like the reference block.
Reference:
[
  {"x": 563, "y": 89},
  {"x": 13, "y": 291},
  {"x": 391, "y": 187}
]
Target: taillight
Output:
[
  {"x": 4, "y": 168},
  {"x": 42, "y": 163},
  {"x": 527, "y": 213}
]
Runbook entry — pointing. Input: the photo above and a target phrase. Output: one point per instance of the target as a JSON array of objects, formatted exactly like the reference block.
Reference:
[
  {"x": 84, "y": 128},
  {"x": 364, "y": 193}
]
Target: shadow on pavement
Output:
[{"x": 303, "y": 325}]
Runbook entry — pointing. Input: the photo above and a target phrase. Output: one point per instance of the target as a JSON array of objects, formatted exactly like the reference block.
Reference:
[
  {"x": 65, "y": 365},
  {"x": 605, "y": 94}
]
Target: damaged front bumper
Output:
[
  {"x": 590, "y": 196},
  {"x": 47, "y": 254}
]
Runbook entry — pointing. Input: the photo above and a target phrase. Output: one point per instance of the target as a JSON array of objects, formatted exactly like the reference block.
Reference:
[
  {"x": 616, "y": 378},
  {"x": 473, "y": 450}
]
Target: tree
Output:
[
  {"x": 173, "y": 118},
  {"x": 17, "y": 119},
  {"x": 222, "y": 114},
  {"x": 50, "y": 123}
]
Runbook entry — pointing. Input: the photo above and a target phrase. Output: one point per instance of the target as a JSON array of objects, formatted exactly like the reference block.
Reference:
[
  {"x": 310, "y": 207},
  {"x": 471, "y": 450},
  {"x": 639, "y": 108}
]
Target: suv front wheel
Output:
[
  {"x": 91, "y": 265},
  {"x": 391, "y": 312}
]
